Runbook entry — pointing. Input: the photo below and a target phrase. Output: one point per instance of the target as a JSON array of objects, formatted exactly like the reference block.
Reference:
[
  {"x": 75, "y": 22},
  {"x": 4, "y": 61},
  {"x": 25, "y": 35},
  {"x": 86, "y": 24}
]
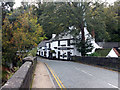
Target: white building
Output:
[
  {"x": 61, "y": 47},
  {"x": 114, "y": 52}
]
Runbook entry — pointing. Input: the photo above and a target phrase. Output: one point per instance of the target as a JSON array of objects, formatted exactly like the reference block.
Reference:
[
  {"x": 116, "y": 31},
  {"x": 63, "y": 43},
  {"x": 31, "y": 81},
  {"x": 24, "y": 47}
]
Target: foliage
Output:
[
  {"x": 100, "y": 52},
  {"x": 32, "y": 52},
  {"x": 7, "y": 7},
  {"x": 7, "y": 73},
  {"x": 112, "y": 21},
  {"x": 59, "y": 17},
  {"x": 94, "y": 54},
  {"x": 95, "y": 18},
  {"x": 85, "y": 47},
  {"x": 21, "y": 32},
  {"x": 52, "y": 51},
  {"x": 100, "y": 18},
  {"x": 103, "y": 52},
  {"x": 25, "y": 27},
  {"x": 63, "y": 16}
]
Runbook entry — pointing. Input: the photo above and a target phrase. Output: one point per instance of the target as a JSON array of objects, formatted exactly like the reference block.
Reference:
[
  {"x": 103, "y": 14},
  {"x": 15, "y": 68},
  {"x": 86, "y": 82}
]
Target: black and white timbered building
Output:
[{"x": 62, "y": 47}]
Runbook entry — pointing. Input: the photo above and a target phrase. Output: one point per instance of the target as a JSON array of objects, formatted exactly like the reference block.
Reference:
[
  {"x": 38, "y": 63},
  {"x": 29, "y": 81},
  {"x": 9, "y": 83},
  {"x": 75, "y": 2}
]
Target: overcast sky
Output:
[{"x": 18, "y": 2}]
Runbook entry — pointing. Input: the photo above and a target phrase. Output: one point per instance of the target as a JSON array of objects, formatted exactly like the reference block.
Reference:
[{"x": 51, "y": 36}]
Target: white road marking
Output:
[
  {"x": 77, "y": 68},
  {"x": 112, "y": 85},
  {"x": 95, "y": 77},
  {"x": 86, "y": 72},
  {"x": 83, "y": 71}
]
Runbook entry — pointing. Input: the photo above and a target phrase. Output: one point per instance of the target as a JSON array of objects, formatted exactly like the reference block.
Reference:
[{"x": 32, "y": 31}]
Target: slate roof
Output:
[
  {"x": 108, "y": 44},
  {"x": 42, "y": 43}
]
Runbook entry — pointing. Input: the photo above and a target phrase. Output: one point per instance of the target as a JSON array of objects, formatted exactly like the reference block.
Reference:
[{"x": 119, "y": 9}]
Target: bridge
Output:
[{"x": 38, "y": 72}]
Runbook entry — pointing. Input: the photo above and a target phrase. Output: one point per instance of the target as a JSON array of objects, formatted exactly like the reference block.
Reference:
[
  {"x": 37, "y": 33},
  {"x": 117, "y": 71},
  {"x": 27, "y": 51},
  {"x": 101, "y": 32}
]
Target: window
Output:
[
  {"x": 55, "y": 47},
  {"x": 68, "y": 42},
  {"x": 58, "y": 43},
  {"x": 41, "y": 53},
  {"x": 68, "y": 55},
  {"x": 49, "y": 45}
]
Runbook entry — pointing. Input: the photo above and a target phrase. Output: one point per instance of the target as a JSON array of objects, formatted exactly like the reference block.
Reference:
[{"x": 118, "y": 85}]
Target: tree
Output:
[
  {"x": 6, "y": 8},
  {"x": 20, "y": 35},
  {"x": 59, "y": 17},
  {"x": 112, "y": 21},
  {"x": 87, "y": 46},
  {"x": 96, "y": 21},
  {"x": 62, "y": 16}
]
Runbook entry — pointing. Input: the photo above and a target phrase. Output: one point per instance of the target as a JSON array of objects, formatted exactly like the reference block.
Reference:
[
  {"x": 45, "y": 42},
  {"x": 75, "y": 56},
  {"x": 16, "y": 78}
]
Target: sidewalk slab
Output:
[{"x": 42, "y": 78}]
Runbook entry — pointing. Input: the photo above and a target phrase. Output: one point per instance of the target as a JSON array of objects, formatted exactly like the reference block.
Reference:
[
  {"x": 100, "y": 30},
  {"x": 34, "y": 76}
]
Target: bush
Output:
[
  {"x": 33, "y": 52},
  {"x": 94, "y": 54},
  {"x": 102, "y": 52}
]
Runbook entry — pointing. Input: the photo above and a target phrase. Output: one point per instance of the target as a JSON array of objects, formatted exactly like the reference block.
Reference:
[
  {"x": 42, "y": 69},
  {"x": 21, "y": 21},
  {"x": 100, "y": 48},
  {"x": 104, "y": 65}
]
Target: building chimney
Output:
[
  {"x": 53, "y": 35},
  {"x": 93, "y": 33}
]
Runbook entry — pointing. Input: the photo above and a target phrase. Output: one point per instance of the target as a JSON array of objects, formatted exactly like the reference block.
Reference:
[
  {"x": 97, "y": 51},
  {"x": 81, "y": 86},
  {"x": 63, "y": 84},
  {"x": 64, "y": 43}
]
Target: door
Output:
[
  {"x": 58, "y": 54},
  {"x": 68, "y": 55}
]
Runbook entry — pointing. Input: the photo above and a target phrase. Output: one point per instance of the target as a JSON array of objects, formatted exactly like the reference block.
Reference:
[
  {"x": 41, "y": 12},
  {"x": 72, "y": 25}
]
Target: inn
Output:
[{"x": 62, "y": 47}]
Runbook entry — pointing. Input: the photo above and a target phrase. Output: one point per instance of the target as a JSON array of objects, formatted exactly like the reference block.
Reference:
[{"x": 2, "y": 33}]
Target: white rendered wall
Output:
[
  {"x": 63, "y": 43},
  {"x": 37, "y": 50},
  {"x": 62, "y": 52},
  {"x": 55, "y": 44},
  {"x": 47, "y": 52},
  {"x": 42, "y": 51},
  {"x": 112, "y": 53},
  {"x": 94, "y": 44}
]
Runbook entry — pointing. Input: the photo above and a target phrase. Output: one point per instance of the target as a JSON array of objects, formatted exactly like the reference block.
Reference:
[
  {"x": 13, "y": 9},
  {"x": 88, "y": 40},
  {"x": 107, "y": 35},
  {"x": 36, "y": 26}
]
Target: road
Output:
[{"x": 77, "y": 75}]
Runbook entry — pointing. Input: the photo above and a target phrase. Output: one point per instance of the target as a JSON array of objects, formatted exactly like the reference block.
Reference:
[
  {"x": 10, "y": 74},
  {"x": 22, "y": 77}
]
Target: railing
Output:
[{"x": 23, "y": 77}]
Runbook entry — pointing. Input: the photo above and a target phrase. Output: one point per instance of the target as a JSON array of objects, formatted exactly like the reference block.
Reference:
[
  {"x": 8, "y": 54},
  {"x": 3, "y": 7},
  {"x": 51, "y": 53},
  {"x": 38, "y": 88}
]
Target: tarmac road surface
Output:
[{"x": 77, "y": 75}]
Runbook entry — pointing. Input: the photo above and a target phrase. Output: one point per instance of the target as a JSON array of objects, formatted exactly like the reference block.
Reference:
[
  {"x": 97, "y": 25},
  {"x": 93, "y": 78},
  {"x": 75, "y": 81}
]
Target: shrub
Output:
[
  {"x": 32, "y": 52},
  {"x": 94, "y": 54}
]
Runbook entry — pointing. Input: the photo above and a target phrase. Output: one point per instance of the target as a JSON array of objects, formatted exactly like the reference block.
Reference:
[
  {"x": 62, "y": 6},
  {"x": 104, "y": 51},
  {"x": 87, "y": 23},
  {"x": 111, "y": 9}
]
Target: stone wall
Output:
[
  {"x": 108, "y": 44},
  {"x": 110, "y": 63},
  {"x": 23, "y": 77}
]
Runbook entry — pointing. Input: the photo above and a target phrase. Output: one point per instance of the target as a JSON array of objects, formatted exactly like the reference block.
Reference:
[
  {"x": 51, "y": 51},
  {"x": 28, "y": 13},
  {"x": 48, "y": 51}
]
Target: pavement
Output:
[
  {"x": 77, "y": 75},
  {"x": 42, "y": 78}
]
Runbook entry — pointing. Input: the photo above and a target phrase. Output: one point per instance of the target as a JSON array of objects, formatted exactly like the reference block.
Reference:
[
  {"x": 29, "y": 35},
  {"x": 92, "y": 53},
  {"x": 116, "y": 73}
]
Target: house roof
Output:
[
  {"x": 117, "y": 51},
  {"x": 108, "y": 44},
  {"x": 42, "y": 43}
]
